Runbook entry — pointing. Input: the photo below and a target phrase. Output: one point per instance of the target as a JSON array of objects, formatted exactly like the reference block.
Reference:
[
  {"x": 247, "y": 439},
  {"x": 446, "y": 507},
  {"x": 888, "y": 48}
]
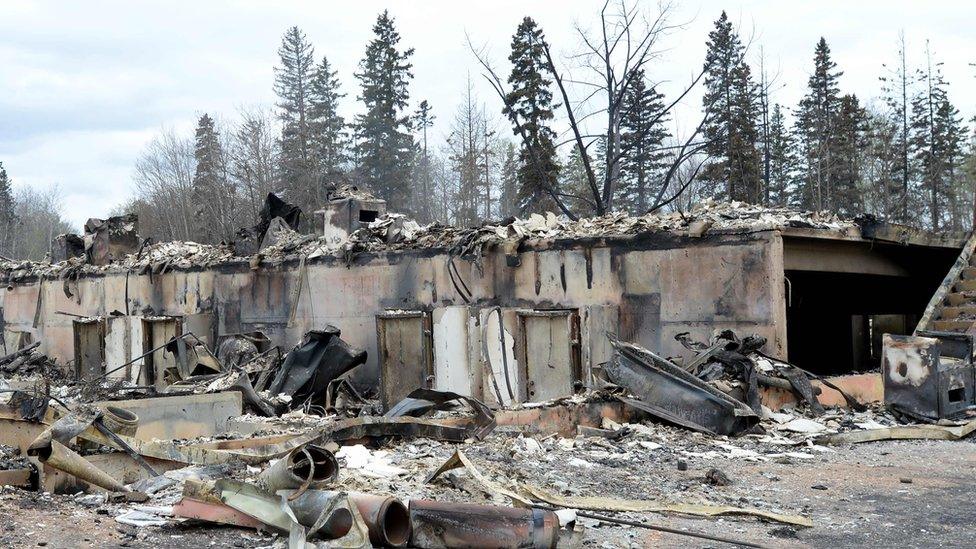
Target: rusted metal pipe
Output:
[
  {"x": 326, "y": 513},
  {"x": 120, "y": 421},
  {"x": 305, "y": 467},
  {"x": 387, "y": 520},
  {"x": 449, "y": 525},
  {"x": 64, "y": 459}
]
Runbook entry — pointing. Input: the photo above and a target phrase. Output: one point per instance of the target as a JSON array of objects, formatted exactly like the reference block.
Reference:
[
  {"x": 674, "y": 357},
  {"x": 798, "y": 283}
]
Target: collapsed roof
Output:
[{"x": 396, "y": 232}]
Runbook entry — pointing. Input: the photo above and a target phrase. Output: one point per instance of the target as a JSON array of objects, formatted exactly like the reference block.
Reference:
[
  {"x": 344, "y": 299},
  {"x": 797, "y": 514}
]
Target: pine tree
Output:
[
  {"x": 848, "y": 144},
  {"x": 423, "y": 120},
  {"x": 897, "y": 95},
  {"x": 642, "y": 139},
  {"x": 327, "y": 126},
  {"x": 6, "y": 211},
  {"x": 730, "y": 104},
  {"x": 465, "y": 147},
  {"x": 575, "y": 185},
  {"x": 213, "y": 195},
  {"x": 508, "y": 202},
  {"x": 293, "y": 85},
  {"x": 530, "y": 103},
  {"x": 967, "y": 180},
  {"x": 782, "y": 159},
  {"x": 882, "y": 166},
  {"x": 385, "y": 145},
  {"x": 951, "y": 148},
  {"x": 816, "y": 118},
  {"x": 933, "y": 151}
]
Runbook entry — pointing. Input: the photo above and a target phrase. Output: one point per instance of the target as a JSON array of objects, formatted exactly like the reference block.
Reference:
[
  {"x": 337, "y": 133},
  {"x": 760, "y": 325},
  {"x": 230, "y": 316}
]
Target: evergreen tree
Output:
[
  {"x": 897, "y": 95},
  {"x": 882, "y": 166},
  {"x": 642, "y": 139},
  {"x": 423, "y": 120},
  {"x": 950, "y": 146},
  {"x": 782, "y": 159},
  {"x": 327, "y": 127},
  {"x": 6, "y": 210},
  {"x": 934, "y": 141},
  {"x": 293, "y": 85},
  {"x": 529, "y": 103},
  {"x": 212, "y": 192},
  {"x": 967, "y": 180},
  {"x": 730, "y": 104},
  {"x": 848, "y": 145},
  {"x": 385, "y": 145},
  {"x": 575, "y": 185},
  {"x": 508, "y": 202},
  {"x": 465, "y": 151},
  {"x": 816, "y": 118}
]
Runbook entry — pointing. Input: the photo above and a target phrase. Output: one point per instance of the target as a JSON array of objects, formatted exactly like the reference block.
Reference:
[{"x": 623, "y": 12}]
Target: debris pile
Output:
[
  {"x": 274, "y": 239},
  {"x": 28, "y": 361},
  {"x": 322, "y": 466}
]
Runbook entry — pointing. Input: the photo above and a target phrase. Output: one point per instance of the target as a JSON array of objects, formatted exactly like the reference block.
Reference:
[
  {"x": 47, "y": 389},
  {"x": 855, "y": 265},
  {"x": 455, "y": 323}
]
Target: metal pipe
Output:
[
  {"x": 325, "y": 513},
  {"x": 305, "y": 467},
  {"x": 387, "y": 519},
  {"x": 449, "y": 525},
  {"x": 64, "y": 459}
]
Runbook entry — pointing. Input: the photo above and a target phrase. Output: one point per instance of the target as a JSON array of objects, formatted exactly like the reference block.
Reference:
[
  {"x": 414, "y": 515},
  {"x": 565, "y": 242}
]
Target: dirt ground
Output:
[{"x": 884, "y": 494}]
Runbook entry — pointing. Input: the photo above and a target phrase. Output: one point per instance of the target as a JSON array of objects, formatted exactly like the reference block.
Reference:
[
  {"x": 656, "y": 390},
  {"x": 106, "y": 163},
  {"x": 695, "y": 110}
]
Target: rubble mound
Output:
[{"x": 397, "y": 232}]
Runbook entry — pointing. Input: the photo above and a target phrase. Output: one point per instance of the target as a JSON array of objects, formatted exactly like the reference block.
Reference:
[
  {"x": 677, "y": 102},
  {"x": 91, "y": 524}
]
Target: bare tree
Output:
[
  {"x": 626, "y": 42},
  {"x": 39, "y": 219},
  {"x": 254, "y": 152},
  {"x": 164, "y": 181}
]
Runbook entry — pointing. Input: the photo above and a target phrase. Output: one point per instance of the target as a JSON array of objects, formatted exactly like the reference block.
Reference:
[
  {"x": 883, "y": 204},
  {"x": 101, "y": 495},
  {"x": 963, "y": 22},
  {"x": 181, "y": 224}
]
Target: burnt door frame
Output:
[
  {"x": 427, "y": 349},
  {"x": 522, "y": 355},
  {"x": 83, "y": 354},
  {"x": 153, "y": 374}
]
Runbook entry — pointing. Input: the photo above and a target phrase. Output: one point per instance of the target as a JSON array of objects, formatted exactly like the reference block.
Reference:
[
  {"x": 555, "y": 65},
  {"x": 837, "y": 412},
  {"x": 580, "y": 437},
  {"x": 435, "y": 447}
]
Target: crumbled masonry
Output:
[{"x": 395, "y": 232}]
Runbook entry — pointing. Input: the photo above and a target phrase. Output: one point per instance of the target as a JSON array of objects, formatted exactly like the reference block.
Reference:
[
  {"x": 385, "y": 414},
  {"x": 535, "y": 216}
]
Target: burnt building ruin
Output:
[{"x": 515, "y": 312}]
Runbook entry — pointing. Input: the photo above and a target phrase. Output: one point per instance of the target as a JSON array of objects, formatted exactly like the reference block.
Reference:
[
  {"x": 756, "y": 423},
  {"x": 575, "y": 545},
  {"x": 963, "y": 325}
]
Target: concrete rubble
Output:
[
  {"x": 395, "y": 232},
  {"x": 267, "y": 445}
]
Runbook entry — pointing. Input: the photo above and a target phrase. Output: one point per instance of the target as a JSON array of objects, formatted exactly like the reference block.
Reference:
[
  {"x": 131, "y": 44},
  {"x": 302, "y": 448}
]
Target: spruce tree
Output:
[
  {"x": 327, "y": 127},
  {"x": 211, "y": 191},
  {"x": 508, "y": 202},
  {"x": 782, "y": 159},
  {"x": 7, "y": 210},
  {"x": 384, "y": 147},
  {"x": 293, "y": 85},
  {"x": 897, "y": 93},
  {"x": 849, "y": 141},
  {"x": 643, "y": 132},
  {"x": 575, "y": 184},
  {"x": 529, "y": 103},
  {"x": 816, "y": 118},
  {"x": 950, "y": 145},
  {"x": 932, "y": 120},
  {"x": 730, "y": 104},
  {"x": 882, "y": 165},
  {"x": 423, "y": 120}
]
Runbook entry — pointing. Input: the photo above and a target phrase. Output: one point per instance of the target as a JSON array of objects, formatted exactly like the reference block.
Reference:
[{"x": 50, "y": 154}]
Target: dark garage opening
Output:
[{"x": 842, "y": 295}]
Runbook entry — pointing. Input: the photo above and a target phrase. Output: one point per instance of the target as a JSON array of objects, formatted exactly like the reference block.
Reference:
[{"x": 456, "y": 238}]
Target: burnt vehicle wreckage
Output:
[{"x": 275, "y": 383}]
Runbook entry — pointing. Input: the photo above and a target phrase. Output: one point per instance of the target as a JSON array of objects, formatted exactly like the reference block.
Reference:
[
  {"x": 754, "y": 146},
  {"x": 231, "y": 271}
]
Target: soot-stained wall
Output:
[{"x": 647, "y": 289}]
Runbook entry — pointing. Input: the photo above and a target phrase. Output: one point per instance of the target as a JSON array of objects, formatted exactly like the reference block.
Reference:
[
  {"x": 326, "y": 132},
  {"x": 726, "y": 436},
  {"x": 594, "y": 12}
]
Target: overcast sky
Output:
[{"x": 85, "y": 85}]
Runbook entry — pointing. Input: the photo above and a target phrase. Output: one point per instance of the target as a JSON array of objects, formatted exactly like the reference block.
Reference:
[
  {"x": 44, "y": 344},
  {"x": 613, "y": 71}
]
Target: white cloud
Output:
[{"x": 84, "y": 85}]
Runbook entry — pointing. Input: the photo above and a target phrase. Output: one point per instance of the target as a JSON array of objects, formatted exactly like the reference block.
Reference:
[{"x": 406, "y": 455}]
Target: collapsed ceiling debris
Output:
[
  {"x": 306, "y": 468},
  {"x": 396, "y": 232}
]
